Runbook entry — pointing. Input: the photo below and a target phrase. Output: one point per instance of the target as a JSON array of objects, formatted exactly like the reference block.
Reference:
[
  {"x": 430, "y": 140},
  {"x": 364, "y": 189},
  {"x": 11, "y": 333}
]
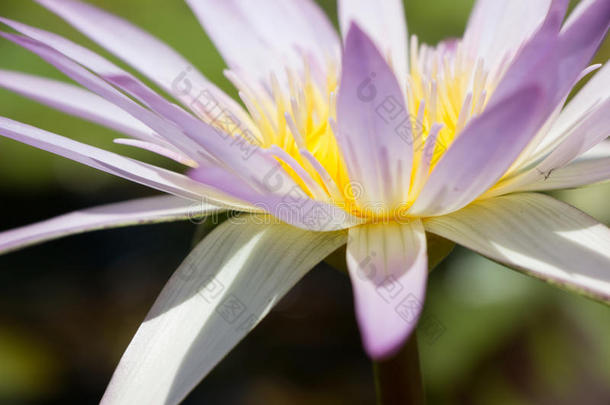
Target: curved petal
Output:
[
  {"x": 75, "y": 101},
  {"x": 207, "y": 104},
  {"x": 584, "y": 33},
  {"x": 267, "y": 36},
  {"x": 388, "y": 267},
  {"x": 384, "y": 22},
  {"x": 70, "y": 57},
  {"x": 594, "y": 92},
  {"x": 141, "y": 50},
  {"x": 481, "y": 154},
  {"x": 565, "y": 56},
  {"x": 202, "y": 141},
  {"x": 274, "y": 190},
  {"x": 285, "y": 201},
  {"x": 592, "y": 167},
  {"x": 590, "y": 131},
  {"x": 374, "y": 129},
  {"x": 220, "y": 292},
  {"x": 142, "y": 211},
  {"x": 159, "y": 150},
  {"x": 550, "y": 62},
  {"x": 148, "y": 175},
  {"x": 166, "y": 130},
  {"x": 539, "y": 62},
  {"x": 497, "y": 28},
  {"x": 538, "y": 235}
]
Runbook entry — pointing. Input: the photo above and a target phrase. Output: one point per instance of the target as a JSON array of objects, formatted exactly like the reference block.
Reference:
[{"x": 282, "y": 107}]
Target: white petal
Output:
[
  {"x": 538, "y": 235},
  {"x": 592, "y": 94},
  {"x": 590, "y": 168},
  {"x": 183, "y": 130},
  {"x": 67, "y": 65},
  {"x": 139, "y": 172},
  {"x": 383, "y": 21},
  {"x": 75, "y": 101},
  {"x": 374, "y": 131},
  {"x": 549, "y": 173},
  {"x": 135, "y": 212},
  {"x": 479, "y": 157},
  {"x": 497, "y": 28},
  {"x": 388, "y": 266},
  {"x": 141, "y": 50},
  {"x": 259, "y": 37},
  {"x": 221, "y": 291}
]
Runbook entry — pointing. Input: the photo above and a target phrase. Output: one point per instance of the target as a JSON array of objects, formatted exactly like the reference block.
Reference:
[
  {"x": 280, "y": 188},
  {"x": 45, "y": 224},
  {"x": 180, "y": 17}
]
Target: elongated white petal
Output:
[
  {"x": 384, "y": 22},
  {"x": 166, "y": 130},
  {"x": 268, "y": 186},
  {"x": 74, "y": 101},
  {"x": 497, "y": 28},
  {"x": 148, "y": 175},
  {"x": 70, "y": 58},
  {"x": 158, "y": 149},
  {"x": 481, "y": 154},
  {"x": 82, "y": 103},
  {"x": 287, "y": 202},
  {"x": 538, "y": 235},
  {"x": 593, "y": 93},
  {"x": 388, "y": 267},
  {"x": 149, "y": 55},
  {"x": 222, "y": 290},
  {"x": 375, "y": 133},
  {"x": 578, "y": 41},
  {"x": 176, "y": 125},
  {"x": 592, "y": 167},
  {"x": 260, "y": 37},
  {"x": 135, "y": 212},
  {"x": 590, "y": 131},
  {"x": 566, "y": 55}
]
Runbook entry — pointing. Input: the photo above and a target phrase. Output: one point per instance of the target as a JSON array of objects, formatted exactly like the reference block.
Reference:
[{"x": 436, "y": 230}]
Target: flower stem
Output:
[{"x": 398, "y": 380}]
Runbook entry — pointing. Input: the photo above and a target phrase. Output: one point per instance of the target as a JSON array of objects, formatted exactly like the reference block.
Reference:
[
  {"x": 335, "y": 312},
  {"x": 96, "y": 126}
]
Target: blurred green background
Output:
[{"x": 69, "y": 308}]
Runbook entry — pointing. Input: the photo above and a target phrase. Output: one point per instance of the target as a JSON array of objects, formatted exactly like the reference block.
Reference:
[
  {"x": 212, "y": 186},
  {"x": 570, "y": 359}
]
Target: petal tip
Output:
[{"x": 383, "y": 348}]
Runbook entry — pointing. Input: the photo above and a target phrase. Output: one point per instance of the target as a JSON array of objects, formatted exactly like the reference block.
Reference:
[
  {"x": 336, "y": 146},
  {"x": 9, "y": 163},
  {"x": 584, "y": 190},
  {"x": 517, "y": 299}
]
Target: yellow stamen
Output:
[{"x": 445, "y": 89}]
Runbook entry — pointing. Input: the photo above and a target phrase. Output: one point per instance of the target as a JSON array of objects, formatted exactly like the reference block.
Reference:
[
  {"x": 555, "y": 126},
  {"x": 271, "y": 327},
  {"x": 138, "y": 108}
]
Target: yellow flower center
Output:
[{"x": 445, "y": 89}]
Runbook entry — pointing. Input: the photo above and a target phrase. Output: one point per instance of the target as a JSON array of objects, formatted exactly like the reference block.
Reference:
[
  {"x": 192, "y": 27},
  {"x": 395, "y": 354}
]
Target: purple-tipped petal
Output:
[
  {"x": 590, "y": 168},
  {"x": 294, "y": 207},
  {"x": 538, "y": 235},
  {"x": 148, "y": 175},
  {"x": 385, "y": 23},
  {"x": 481, "y": 154},
  {"x": 388, "y": 267},
  {"x": 142, "y": 211},
  {"x": 175, "y": 124},
  {"x": 549, "y": 62},
  {"x": 593, "y": 129},
  {"x": 583, "y": 34},
  {"x": 554, "y": 60},
  {"x": 144, "y": 52},
  {"x": 168, "y": 152},
  {"x": 275, "y": 191},
  {"x": 587, "y": 98},
  {"x": 497, "y": 28},
  {"x": 374, "y": 130},
  {"x": 166, "y": 130},
  {"x": 75, "y": 101},
  {"x": 62, "y": 53},
  {"x": 260, "y": 37}
]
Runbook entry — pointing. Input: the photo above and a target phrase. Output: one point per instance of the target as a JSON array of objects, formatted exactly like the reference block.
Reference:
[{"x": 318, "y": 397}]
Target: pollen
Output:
[{"x": 294, "y": 115}]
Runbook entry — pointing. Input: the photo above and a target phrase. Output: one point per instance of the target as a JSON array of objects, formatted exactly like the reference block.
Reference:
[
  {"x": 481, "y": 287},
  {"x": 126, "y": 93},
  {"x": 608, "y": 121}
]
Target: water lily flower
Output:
[{"x": 372, "y": 141}]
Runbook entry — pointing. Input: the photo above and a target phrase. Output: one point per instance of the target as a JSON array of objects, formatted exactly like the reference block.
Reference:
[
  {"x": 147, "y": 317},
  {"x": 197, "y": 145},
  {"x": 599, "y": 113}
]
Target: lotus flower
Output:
[{"x": 371, "y": 142}]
